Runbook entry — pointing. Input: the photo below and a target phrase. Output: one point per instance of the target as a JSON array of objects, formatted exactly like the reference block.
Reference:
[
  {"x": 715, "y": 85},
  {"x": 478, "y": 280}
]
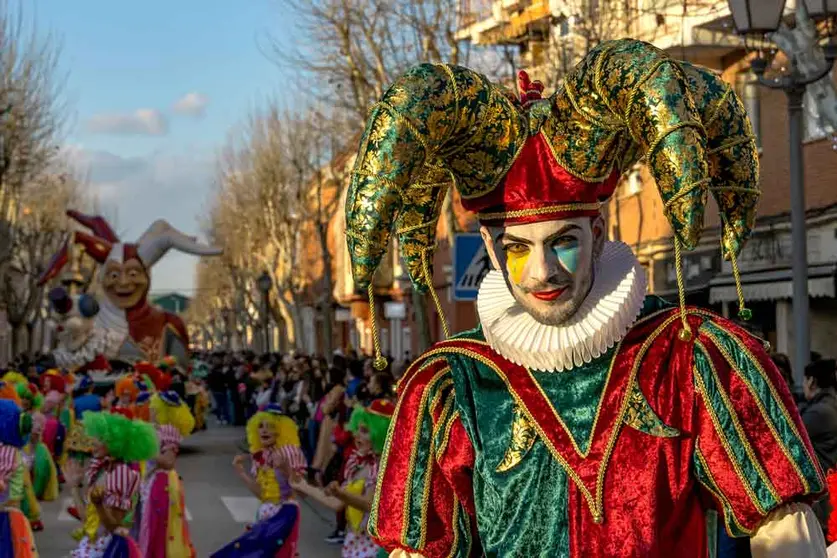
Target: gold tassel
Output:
[
  {"x": 428, "y": 278},
  {"x": 744, "y": 313},
  {"x": 686, "y": 332},
  {"x": 380, "y": 363}
]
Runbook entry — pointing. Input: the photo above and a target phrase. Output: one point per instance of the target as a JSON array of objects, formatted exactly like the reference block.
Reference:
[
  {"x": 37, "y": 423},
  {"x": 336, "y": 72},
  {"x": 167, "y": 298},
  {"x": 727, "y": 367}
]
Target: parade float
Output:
[{"x": 119, "y": 322}]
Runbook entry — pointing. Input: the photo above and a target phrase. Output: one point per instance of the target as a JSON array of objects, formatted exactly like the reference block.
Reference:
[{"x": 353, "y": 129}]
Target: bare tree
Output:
[
  {"x": 31, "y": 117},
  {"x": 39, "y": 231}
]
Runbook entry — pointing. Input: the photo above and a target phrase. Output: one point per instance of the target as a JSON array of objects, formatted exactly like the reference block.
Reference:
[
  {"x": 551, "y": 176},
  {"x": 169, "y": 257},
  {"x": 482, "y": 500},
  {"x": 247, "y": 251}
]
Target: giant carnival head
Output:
[
  {"x": 537, "y": 171},
  {"x": 125, "y": 272}
]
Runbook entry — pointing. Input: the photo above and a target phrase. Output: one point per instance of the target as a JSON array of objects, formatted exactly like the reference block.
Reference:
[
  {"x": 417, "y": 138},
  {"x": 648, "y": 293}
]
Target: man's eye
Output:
[
  {"x": 566, "y": 242},
  {"x": 516, "y": 249}
]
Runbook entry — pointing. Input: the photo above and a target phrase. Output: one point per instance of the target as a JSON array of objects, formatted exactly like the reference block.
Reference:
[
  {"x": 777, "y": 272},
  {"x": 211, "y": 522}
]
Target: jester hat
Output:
[
  {"x": 530, "y": 159},
  {"x": 376, "y": 418}
]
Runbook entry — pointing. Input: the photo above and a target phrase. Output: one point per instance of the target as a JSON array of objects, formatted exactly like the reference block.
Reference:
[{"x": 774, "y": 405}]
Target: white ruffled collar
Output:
[{"x": 610, "y": 309}]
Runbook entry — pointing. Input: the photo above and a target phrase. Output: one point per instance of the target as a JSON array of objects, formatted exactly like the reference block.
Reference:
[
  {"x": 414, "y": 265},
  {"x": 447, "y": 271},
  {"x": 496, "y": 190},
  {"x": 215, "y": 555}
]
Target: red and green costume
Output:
[
  {"x": 629, "y": 429},
  {"x": 623, "y": 458}
]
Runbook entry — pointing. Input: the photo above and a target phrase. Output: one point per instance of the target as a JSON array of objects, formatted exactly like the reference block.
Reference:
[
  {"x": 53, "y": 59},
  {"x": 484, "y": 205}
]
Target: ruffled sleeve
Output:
[
  {"x": 752, "y": 454},
  {"x": 424, "y": 498},
  {"x": 121, "y": 484}
]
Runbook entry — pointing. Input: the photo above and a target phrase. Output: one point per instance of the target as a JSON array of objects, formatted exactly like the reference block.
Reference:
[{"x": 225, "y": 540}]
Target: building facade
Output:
[{"x": 549, "y": 36}]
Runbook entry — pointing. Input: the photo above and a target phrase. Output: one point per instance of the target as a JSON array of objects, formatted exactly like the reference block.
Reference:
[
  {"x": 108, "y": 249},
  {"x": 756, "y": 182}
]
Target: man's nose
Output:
[{"x": 541, "y": 266}]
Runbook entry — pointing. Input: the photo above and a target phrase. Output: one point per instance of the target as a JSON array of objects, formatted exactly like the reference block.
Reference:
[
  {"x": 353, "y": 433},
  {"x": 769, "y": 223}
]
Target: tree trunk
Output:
[
  {"x": 328, "y": 308},
  {"x": 15, "y": 339},
  {"x": 284, "y": 309},
  {"x": 421, "y": 321}
]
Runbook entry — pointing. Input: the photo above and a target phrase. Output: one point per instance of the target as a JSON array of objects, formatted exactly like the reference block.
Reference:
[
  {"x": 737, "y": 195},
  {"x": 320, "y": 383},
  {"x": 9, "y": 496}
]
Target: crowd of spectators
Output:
[{"x": 318, "y": 395}]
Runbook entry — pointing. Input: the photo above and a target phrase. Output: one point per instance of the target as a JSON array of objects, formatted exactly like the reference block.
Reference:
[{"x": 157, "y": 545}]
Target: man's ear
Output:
[
  {"x": 598, "y": 228},
  {"x": 488, "y": 240}
]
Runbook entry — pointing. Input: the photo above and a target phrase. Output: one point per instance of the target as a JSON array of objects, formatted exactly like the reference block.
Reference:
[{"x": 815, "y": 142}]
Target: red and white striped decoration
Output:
[
  {"x": 8, "y": 461},
  {"x": 169, "y": 437},
  {"x": 121, "y": 483}
]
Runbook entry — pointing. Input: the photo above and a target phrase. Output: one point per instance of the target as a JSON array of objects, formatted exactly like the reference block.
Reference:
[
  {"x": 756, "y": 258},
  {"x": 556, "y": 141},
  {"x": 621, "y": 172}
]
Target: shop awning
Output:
[{"x": 773, "y": 284}]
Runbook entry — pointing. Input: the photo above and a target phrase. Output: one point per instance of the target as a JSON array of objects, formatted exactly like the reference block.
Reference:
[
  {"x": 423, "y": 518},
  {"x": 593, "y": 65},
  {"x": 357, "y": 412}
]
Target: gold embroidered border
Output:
[
  {"x": 770, "y": 385},
  {"x": 725, "y": 442},
  {"x": 762, "y": 410},
  {"x": 431, "y": 458},
  {"x": 455, "y": 524},
  {"x": 443, "y": 445},
  {"x": 727, "y": 507},
  {"x": 595, "y": 504},
  {"x": 408, "y": 489},
  {"x": 373, "y": 514},
  {"x": 539, "y": 211}
]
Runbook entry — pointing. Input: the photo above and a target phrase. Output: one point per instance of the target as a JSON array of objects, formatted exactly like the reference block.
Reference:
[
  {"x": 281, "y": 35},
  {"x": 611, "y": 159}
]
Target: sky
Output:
[{"x": 154, "y": 88}]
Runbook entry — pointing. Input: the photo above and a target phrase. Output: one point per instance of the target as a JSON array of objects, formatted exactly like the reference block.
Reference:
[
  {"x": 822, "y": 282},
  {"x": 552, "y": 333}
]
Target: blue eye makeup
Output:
[{"x": 567, "y": 253}]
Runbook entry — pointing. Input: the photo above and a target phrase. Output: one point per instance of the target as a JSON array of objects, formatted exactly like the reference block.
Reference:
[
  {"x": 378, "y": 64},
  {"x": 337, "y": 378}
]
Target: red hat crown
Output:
[{"x": 536, "y": 187}]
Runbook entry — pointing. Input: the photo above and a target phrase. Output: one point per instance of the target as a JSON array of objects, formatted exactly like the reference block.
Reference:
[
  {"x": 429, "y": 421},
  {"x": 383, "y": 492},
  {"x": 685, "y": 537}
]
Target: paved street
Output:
[{"x": 218, "y": 505}]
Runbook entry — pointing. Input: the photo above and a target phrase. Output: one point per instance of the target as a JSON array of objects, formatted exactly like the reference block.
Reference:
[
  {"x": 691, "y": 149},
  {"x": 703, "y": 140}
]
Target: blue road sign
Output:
[{"x": 470, "y": 265}]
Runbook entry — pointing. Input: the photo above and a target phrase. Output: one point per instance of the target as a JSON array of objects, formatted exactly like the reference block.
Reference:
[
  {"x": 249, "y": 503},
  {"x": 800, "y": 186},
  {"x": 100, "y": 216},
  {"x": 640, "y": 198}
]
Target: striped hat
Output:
[{"x": 169, "y": 437}]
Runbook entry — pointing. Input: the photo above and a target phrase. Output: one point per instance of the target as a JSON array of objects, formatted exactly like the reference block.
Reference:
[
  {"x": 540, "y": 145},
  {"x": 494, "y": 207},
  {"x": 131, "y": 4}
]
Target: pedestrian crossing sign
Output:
[{"x": 470, "y": 263}]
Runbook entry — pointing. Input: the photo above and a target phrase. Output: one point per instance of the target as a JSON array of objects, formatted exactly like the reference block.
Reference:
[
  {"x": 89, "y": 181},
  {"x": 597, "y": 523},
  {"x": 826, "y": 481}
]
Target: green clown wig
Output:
[
  {"x": 376, "y": 418},
  {"x": 287, "y": 433},
  {"x": 126, "y": 440},
  {"x": 28, "y": 392},
  {"x": 168, "y": 408}
]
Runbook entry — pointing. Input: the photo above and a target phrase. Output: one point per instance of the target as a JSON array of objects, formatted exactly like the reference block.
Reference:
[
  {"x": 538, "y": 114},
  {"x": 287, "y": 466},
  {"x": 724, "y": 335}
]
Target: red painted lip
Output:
[{"x": 549, "y": 295}]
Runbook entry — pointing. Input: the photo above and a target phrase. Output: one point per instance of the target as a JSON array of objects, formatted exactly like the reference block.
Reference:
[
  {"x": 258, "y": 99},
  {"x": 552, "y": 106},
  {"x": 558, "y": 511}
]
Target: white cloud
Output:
[
  {"x": 146, "y": 122},
  {"x": 191, "y": 104},
  {"x": 135, "y": 191}
]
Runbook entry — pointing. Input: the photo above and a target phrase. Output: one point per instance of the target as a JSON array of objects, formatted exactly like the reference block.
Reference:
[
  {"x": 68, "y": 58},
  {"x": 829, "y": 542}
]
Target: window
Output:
[{"x": 749, "y": 91}]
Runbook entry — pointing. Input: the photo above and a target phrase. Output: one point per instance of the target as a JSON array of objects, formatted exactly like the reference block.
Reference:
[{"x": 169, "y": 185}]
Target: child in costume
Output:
[
  {"x": 276, "y": 457},
  {"x": 126, "y": 396},
  {"x": 160, "y": 525},
  {"x": 16, "y": 537},
  {"x": 369, "y": 426},
  {"x": 111, "y": 483},
  {"x": 80, "y": 445}
]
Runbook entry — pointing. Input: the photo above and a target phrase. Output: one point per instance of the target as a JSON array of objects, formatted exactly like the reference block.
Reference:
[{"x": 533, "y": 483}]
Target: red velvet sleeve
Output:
[
  {"x": 752, "y": 453},
  {"x": 424, "y": 498}
]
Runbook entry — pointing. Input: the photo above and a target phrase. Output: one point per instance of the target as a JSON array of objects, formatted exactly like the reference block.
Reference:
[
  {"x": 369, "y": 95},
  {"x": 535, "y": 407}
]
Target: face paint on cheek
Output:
[
  {"x": 567, "y": 254},
  {"x": 516, "y": 263}
]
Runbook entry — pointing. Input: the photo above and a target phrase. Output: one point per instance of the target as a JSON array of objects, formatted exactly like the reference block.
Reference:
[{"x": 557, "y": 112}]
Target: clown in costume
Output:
[
  {"x": 16, "y": 537},
  {"x": 160, "y": 525},
  {"x": 369, "y": 426},
  {"x": 581, "y": 418},
  {"x": 126, "y": 395},
  {"x": 276, "y": 456},
  {"x": 111, "y": 483}
]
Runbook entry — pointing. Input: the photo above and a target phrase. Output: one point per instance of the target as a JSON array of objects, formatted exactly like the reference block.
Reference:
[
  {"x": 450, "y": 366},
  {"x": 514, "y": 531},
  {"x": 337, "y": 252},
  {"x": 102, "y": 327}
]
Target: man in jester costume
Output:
[{"x": 581, "y": 418}]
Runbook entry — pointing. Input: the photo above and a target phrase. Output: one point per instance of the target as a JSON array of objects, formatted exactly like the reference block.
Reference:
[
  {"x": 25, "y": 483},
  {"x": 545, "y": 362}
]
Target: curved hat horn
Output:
[
  {"x": 162, "y": 237},
  {"x": 437, "y": 125},
  {"x": 96, "y": 223},
  {"x": 627, "y": 99}
]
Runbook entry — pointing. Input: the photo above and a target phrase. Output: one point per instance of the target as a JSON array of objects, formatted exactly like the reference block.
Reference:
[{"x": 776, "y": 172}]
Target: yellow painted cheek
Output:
[{"x": 516, "y": 264}]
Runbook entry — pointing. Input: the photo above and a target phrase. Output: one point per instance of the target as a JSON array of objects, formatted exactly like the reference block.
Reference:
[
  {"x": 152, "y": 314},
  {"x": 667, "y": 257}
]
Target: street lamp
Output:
[
  {"x": 264, "y": 283},
  {"x": 760, "y": 18}
]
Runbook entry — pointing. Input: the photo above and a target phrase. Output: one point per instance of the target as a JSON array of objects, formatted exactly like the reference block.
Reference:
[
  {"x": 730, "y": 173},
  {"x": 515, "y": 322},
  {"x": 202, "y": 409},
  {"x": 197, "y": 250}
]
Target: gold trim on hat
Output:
[{"x": 495, "y": 216}]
